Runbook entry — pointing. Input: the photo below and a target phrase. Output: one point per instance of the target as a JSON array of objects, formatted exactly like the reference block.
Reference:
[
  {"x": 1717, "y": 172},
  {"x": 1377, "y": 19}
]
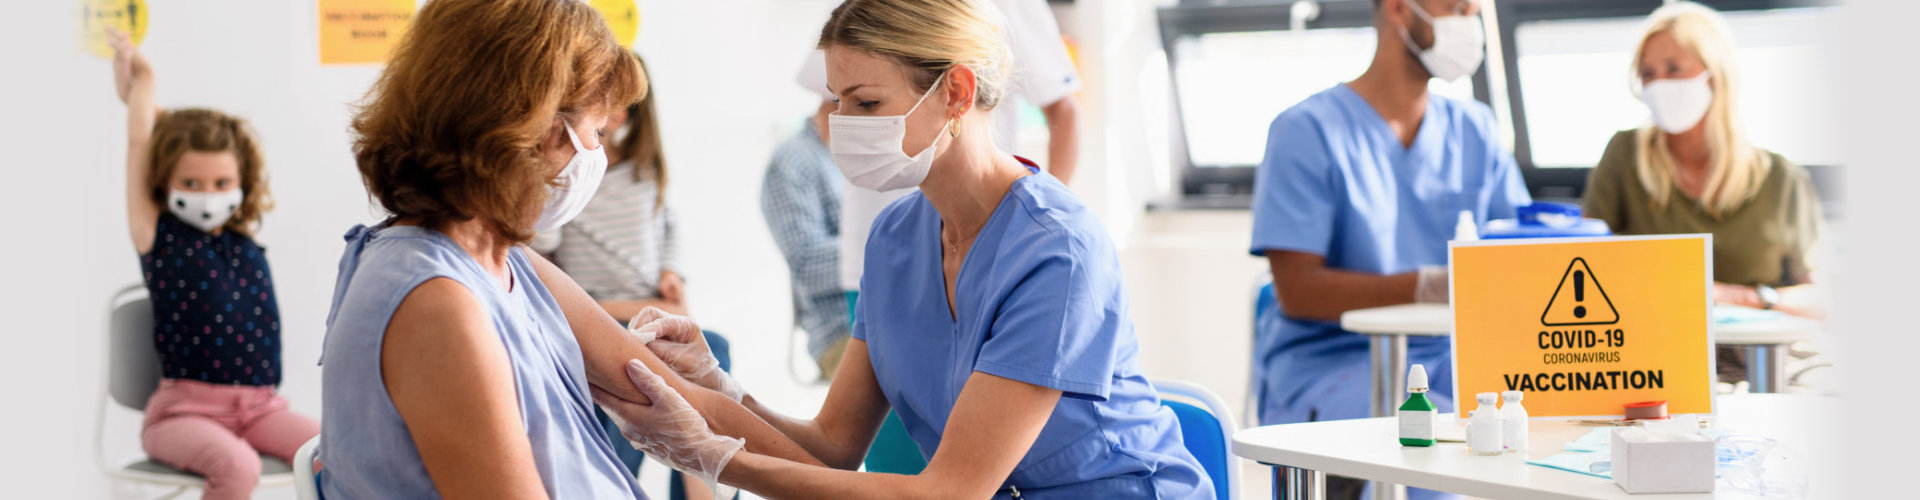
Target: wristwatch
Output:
[{"x": 1769, "y": 297}]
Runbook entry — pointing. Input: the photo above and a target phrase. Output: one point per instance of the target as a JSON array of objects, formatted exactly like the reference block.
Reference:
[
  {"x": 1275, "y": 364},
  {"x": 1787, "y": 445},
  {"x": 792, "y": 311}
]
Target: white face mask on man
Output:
[
  {"x": 870, "y": 150},
  {"x": 206, "y": 211},
  {"x": 1678, "y": 103},
  {"x": 578, "y": 182},
  {"x": 1459, "y": 44}
]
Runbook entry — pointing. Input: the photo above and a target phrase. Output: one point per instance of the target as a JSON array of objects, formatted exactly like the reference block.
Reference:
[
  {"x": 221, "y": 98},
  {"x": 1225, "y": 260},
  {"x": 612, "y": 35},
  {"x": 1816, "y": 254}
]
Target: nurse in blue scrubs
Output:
[
  {"x": 992, "y": 316},
  {"x": 1361, "y": 187}
]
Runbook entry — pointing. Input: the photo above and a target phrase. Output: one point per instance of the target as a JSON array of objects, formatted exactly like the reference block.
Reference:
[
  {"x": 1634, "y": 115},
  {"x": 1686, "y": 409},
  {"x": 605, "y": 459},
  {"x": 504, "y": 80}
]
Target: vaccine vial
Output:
[{"x": 1483, "y": 429}]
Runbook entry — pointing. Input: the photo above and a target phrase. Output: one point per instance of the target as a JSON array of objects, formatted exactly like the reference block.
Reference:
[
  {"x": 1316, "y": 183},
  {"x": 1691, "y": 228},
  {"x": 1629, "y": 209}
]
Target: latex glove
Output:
[
  {"x": 1432, "y": 287},
  {"x": 643, "y": 318},
  {"x": 677, "y": 341},
  {"x": 671, "y": 430}
]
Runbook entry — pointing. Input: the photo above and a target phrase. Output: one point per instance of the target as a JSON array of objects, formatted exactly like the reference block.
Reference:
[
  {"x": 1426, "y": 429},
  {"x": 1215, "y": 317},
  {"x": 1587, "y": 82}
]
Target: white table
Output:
[
  {"x": 1765, "y": 343},
  {"x": 1302, "y": 454},
  {"x": 1387, "y": 329}
]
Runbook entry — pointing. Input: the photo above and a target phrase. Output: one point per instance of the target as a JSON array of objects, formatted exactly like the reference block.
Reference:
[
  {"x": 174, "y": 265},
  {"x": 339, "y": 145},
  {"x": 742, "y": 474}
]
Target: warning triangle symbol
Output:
[{"x": 1579, "y": 300}]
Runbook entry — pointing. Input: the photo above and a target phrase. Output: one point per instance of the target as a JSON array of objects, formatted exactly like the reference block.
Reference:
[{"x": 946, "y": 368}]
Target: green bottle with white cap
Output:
[{"x": 1418, "y": 416}]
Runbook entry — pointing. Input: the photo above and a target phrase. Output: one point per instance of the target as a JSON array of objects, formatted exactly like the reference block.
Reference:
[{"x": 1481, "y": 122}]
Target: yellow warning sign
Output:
[
  {"x": 128, "y": 16},
  {"x": 362, "y": 31},
  {"x": 1585, "y": 325},
  {"x": 623, "y": 17},
  {"x": 1572, "y": 310}
]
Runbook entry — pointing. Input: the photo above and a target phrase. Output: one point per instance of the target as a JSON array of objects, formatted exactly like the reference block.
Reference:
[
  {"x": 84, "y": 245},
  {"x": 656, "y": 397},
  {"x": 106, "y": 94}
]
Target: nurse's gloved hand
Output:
[
  {"x": 1432, "y": 286},
  {"x": 670, "y": 429},
  {"x": 677, "y": 341}
]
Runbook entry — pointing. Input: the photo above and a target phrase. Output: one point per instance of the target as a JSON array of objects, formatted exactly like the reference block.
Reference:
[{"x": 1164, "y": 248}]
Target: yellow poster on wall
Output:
[
  {"x": 362, "y": 31},
  {"x": 1584, "y": 326},
  {"x": 623, "y": 17},
  {"x": 128, "y": 16}
]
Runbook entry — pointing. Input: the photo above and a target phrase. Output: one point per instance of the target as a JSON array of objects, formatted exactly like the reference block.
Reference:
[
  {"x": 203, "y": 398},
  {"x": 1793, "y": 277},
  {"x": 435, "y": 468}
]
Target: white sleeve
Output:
[
  {"x": 858, "y": 208},
  {"x": 1042, "y": 71}
]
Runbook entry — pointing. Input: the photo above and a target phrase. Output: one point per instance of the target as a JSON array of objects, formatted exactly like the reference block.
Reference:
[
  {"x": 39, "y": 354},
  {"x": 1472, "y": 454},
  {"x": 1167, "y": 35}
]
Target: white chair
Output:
[
  {"x": 130, "y": 373},
  {"x": 1206, "y": 427},
  {"x": 306, "y": 485}
]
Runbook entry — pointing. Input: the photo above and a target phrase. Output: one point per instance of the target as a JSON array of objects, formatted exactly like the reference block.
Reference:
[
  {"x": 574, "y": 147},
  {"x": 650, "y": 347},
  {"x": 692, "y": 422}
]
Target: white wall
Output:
[
  {"x": 724, "y": 73},
  {"x": 255, "y": 59}
]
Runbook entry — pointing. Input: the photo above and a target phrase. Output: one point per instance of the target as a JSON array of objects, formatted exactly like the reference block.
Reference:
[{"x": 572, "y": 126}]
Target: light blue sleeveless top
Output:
[{"x": 365, "y": 449}]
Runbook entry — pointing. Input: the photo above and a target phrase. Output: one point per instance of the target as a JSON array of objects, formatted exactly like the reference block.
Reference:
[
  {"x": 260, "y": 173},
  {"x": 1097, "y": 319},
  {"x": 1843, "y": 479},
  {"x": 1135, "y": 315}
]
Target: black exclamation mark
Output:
[{"x": 1579, "y": 293}]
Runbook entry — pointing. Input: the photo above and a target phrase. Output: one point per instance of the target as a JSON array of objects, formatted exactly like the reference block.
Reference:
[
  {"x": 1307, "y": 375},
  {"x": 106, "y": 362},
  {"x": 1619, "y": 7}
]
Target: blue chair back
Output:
[
  {"x": 1206, "y": 428},
  {"x": 1206, "y": 439}
]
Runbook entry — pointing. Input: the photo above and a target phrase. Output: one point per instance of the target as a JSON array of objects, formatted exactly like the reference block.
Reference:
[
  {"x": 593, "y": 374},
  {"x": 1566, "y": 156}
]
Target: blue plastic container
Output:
[{"x": 1545, "y": 219}]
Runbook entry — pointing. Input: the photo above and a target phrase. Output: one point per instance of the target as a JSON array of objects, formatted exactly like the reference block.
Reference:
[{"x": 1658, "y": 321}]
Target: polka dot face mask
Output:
[{"x": 207, "y": 211}]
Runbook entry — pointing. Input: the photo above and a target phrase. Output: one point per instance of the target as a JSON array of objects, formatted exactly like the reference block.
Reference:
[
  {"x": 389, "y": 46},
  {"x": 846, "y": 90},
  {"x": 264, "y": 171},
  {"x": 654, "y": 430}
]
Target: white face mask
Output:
[
  {"x": 870, "y": 149},
  {"x": 578, "y": 181},
  {"x": 1678, "y": 104},
  {"x": 207, "y": 211},
  {"x": 1459, "y": 44}
]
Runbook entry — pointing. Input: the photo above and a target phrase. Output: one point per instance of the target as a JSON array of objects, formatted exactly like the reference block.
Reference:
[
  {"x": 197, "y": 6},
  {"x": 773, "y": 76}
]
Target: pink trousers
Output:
[{"x": 220, "y": 431}]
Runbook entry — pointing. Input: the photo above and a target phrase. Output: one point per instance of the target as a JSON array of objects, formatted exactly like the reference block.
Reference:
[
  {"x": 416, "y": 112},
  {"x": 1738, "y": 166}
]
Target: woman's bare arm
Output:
[
  {"x": 452, "y": 382},
  {"x": 607, "y": 347}
]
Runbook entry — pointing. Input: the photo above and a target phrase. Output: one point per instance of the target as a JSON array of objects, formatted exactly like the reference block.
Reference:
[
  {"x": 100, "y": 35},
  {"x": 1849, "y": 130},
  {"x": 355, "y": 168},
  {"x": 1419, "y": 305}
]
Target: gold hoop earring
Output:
[{"x": 951, "y": 130}]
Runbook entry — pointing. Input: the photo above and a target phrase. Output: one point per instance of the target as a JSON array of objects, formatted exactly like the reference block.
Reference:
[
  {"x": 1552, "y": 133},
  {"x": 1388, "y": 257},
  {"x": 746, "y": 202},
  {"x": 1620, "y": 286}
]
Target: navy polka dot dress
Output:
[{"x": 214, "y": 313}]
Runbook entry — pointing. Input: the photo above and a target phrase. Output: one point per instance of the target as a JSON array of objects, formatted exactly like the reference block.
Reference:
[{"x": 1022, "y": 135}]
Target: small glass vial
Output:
[
  {"x": 1418, "y": 415},
  {"x": 1483, "y": 429},
  {"x": 1513, "y": 421}
]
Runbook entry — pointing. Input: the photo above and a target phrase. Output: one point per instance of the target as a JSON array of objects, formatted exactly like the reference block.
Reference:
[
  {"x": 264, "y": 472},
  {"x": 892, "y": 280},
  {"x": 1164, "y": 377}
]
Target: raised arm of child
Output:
[{"x": 133, "y": 80}]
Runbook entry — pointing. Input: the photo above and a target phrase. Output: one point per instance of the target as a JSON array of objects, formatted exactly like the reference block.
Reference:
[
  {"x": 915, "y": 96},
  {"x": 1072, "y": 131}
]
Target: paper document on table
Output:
[{"x": 1596, "y": 440}]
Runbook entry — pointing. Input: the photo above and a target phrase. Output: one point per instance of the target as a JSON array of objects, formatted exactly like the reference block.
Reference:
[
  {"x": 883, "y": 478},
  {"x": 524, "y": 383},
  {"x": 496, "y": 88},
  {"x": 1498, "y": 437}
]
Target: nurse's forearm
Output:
[
  {"x": 1308, "y": 289},
  {"x": 782, "y": 480},
  {"x": 804, "y": 432},
  {"x": 729, "y": 418}
]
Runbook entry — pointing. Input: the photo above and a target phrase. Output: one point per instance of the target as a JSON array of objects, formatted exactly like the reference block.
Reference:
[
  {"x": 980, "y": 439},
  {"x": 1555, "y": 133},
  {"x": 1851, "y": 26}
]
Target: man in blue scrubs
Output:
[{"x": 1361, "y": 187}]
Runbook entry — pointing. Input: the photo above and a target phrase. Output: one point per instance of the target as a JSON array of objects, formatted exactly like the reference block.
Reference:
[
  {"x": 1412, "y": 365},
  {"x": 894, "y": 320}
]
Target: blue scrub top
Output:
[
  {"x": 1039, "y": 299},
  {"x": 1336, "y": 182}
]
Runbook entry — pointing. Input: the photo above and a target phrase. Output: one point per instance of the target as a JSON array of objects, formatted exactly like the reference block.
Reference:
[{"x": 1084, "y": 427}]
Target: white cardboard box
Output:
[{"x": 1644, "y": 462}]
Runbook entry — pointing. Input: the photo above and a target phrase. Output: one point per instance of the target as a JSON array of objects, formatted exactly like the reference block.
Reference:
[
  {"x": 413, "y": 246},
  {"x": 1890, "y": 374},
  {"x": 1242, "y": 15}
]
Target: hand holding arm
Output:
[
  {"x": 669, "y": 428},
  {"x": 607, "y": 348},
  {"x": 679, "y": 343}
]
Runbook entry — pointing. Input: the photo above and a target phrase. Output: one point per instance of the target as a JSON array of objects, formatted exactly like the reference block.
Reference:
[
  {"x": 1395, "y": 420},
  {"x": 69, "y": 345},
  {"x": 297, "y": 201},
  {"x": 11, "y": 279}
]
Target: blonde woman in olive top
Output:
[{"x": 1692, "y": 171}]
